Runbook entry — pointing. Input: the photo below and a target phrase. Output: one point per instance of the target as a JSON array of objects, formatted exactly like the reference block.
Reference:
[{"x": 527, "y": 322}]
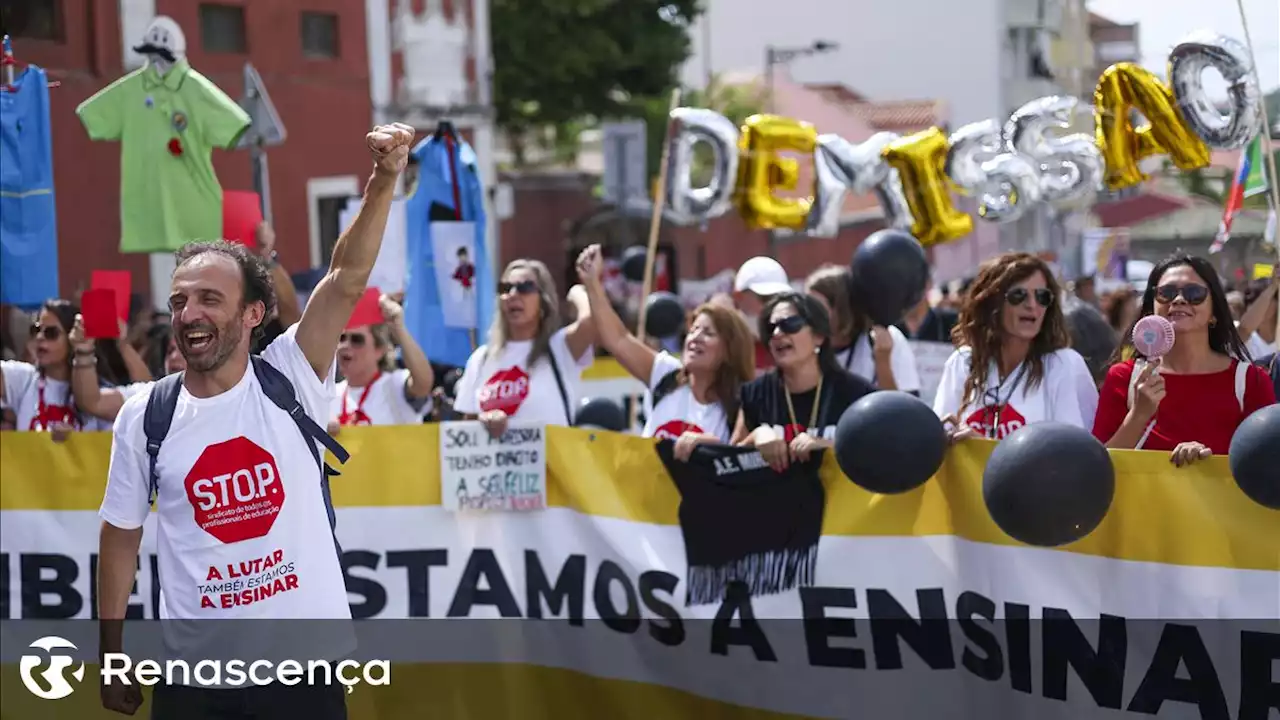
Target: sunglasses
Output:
[
  {"x": 353, "y": 339},
  {"x": 1018, "y": 296},
  {"x": 1192, "y": 293},
  {"x": 524, "y": 287},
  {"x": 50, "y": 332},
  {"x": 788, "y": 325}
]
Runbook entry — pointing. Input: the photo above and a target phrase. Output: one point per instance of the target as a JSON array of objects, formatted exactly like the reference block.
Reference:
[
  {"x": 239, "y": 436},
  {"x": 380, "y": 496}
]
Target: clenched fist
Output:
[{"x": 390, "y": 146}]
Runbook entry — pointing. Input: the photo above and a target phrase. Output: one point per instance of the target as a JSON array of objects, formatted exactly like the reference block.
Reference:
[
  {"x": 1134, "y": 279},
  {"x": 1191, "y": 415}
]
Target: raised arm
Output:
[
  {"x": 288, "y": 310},
  {"x": 631, "y": 354},
  {"x": 330, "y": 305},
  {"x": 581, "y": 334},
  {"x": 421, "y": 377},
  {"x": 90, "y": 396}
]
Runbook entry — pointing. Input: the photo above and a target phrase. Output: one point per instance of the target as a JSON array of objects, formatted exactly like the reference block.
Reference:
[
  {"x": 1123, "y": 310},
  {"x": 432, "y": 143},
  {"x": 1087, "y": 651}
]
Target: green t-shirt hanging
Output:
[{"x": 167, "y": 127}]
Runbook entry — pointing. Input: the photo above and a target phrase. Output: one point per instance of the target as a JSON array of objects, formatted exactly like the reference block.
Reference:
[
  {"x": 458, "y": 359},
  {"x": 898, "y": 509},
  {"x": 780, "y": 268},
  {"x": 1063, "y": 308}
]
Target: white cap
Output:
[{"x": 763, "y": 276}]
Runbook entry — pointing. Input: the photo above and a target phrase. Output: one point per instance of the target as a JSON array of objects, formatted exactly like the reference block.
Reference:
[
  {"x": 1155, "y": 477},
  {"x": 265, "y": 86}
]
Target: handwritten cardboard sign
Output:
[
  {"x": 931, "y": 358},
  {"x": 506, "y": 474}
]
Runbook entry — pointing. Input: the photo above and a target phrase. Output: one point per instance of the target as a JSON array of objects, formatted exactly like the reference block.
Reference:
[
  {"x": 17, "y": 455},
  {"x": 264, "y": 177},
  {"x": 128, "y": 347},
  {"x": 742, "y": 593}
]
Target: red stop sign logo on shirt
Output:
[
  {"x": 673, "y": 429},
  {"x": 505, "y": 390},
  {"x": 1004, "y": 419},
  {"x": 235, "y": 490}
]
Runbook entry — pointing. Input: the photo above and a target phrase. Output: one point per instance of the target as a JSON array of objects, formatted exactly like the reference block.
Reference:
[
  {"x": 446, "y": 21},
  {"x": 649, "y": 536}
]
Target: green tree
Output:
[{"x": 560, "y": 62}]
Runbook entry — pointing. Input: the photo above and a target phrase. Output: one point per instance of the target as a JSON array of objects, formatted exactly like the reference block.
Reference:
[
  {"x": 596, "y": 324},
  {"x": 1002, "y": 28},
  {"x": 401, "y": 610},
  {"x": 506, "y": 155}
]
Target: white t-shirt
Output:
[
  {"x": 679, "y": 412},
  {"x": 242, "y": 526},
  {"x": 505, "y": 383},
  {"x": 384, "y": 403},
  {"x": 1066, "y": 394},
  {"x": 1258, "y": 347},
  {"x": 860, "y": 360},
  {"x": 39, "y": 402}
]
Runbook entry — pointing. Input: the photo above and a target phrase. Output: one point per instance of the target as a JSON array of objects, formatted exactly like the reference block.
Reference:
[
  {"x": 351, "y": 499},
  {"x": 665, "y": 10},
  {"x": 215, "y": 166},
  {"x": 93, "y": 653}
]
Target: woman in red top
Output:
[{"x": 1191, "y": 400}]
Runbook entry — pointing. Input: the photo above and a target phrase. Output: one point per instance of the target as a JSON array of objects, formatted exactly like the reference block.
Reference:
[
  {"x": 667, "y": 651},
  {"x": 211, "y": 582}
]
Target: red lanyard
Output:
[
  {"x": 357, "y": 416},
  {"x": 44, "y": 420}
]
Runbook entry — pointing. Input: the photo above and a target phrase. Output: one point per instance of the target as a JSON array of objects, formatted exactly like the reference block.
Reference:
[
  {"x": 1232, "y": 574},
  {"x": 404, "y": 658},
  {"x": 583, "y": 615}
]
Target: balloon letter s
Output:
[
  {"x": 920, "y": 160},
  {"x": 761, "y": 170}
]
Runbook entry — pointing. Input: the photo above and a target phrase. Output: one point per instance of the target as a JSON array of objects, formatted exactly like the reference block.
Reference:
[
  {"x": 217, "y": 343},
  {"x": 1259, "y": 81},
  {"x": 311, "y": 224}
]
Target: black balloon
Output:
[
  {"x": 633, "y": 259},
  {"x": 888, "y": 273},
  {"x": 1254, "y": 456},
  {"x": 601, "y": 413},
  {"x": 1049, "y": 484},
  {"x": 664, "y": 315},
  {"x": 890, "y": 442}
]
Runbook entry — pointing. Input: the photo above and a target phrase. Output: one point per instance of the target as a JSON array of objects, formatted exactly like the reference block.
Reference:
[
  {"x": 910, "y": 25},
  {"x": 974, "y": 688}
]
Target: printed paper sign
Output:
[
  {"x": 931, "y": 358},
  {"x": 388, "y": 272},
  {"x": 453, "y": 246},
  {"x": 506, "y": 473}
]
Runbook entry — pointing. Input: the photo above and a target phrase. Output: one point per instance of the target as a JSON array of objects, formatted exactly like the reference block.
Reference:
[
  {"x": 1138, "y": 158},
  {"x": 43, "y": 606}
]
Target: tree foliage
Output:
[{"x": 557, "y": 62}]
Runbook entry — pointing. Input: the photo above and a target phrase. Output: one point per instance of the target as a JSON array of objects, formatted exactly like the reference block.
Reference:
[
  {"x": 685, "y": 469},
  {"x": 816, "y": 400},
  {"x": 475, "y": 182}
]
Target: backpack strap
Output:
[
  {"x": 564, "y": 395},
  {"x": 161, "y": 405},
  {"x": 666, "y": 385},
  {"x": 1242, "y": 376}
]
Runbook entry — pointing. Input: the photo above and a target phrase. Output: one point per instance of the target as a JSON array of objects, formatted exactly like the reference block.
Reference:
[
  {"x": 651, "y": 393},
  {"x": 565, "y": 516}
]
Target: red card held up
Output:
[
  {"x": 241, "y": 215},
  {"x": 118, "y": 281},
  {"x": 98, "y": 308},
  {"x": 367, "y": 311}
]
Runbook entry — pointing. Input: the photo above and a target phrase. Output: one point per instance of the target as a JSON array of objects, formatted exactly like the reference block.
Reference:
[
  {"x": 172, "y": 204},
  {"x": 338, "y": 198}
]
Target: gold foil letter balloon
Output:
[
  {"x": 920, "y": 160},
  {"x": 1124, "y": 87},
  {"x": 762, "y": 170}
]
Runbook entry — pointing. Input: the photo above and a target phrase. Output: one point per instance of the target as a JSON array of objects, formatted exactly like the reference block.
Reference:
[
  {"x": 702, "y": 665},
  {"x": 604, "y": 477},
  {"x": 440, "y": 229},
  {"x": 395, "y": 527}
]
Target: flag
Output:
[
  {"x": 1248, "y": 181},
  {"x": 449, "y": 191}
]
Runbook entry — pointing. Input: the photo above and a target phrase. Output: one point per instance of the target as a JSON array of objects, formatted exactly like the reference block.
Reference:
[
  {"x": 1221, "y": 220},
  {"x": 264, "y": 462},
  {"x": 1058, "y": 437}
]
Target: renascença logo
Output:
[{"x": 54, "y": 676}]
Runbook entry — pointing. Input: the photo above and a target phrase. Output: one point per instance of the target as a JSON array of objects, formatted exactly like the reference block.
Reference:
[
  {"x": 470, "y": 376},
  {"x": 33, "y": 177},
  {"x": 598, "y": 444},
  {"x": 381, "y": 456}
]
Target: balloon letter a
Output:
[{"x": 1122, "y": 88}]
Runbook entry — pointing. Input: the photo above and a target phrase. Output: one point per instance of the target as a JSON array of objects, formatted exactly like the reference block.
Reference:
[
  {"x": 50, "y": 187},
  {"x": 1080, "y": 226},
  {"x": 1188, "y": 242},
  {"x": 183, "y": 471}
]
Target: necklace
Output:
[{"x": 813, "y": 414}]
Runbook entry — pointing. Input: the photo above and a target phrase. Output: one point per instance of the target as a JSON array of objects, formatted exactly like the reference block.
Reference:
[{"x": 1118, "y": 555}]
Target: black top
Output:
[
  {"x": 764, "y": 402},
  {"x": 936, "y": 327}
]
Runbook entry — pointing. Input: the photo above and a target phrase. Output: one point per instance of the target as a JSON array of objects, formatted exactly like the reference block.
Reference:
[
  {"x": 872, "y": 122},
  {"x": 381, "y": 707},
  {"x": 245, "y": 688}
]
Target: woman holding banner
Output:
[
  {"x": 1190, "y": 401},
  {"x": 693, "y": 398},
  {"x": 881, "y": 355},
  {"x": 1013, "y": 365},
  {"x": 792, "y": 410},
  {"x": 530, "y": 368}
]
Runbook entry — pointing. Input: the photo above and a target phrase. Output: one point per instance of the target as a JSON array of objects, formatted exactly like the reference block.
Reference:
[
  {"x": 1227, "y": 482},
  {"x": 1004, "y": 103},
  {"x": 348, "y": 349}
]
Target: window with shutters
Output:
[
  {"x": 32, "y": 19},
  {"x": 319, "y": 35},
  {"x": 222, "y": 29}
]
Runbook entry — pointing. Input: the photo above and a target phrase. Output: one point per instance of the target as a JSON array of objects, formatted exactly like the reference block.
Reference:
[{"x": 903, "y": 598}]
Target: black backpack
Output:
[{"x": 164, "y": 401}]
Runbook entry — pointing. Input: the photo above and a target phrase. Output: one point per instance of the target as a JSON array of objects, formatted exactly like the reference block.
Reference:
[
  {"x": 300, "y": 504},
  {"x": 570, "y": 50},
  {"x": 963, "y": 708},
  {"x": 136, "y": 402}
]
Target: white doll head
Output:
[{"x": 163, "y": 44}]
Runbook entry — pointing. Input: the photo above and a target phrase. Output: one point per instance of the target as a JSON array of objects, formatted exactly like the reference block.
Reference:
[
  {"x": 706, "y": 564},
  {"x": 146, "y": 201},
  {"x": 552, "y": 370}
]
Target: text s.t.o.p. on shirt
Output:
[
  {"x": 242, "y": 526},
  {"x": 1066, "y": 394},
  {"x": 679, "y": 411},
  {"x": 507, "y": 383},
  {"x": 383, "y": 402},
  {"x": 859, "y": 359}
]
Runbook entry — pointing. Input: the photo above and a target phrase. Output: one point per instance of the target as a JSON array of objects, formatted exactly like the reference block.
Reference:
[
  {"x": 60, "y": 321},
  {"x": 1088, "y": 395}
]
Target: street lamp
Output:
[{"x": 780, "y": 56}]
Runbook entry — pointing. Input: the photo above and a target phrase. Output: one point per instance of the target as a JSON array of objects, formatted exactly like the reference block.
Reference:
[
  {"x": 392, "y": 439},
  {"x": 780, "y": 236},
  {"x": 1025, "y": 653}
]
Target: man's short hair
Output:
[{"x": 255, "y": 274}]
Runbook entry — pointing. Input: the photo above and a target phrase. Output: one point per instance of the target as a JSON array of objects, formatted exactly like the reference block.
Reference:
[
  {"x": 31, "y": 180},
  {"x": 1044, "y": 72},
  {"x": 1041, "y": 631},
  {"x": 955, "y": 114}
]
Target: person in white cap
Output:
[{"x": 758, "y": 279}]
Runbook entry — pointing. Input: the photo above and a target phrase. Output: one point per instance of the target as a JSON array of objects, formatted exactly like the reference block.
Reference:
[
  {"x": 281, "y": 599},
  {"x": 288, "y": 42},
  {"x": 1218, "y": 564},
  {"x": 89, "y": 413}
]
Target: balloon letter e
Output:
[{"x": 761, "y": 170}]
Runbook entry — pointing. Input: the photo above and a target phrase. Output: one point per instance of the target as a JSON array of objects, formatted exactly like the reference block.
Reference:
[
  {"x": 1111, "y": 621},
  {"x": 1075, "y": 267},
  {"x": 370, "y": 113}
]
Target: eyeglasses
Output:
[
  {"x": 524, "y": 287},
  {"x": 788, "y": 325},
  {"x": 1191, "y": 292},
  {"x": 353, "y": 339},
  {"x": 1018, "y": 296},
  {"x": 50, "y": 332}
]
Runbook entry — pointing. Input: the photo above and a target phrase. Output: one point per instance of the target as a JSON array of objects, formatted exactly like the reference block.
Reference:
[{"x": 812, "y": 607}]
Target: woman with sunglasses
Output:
[
  {"x": 530, "y": 368},
  {"x": 40, "y": 393},
  {"x": 1190, "y": 401},
  {"x": 694, "y": 398},
  {"x": 373, "y": 391},
  {"x": 1013, "y": 365},
  {"x": 792, "y": 409},
  {"x": 881, "y": 355}
]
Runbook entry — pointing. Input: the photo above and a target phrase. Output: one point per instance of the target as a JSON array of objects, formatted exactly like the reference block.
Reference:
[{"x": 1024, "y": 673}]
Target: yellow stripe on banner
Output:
[
  {"x": 1181, "y": 516},
  {"x": 448, "y": 690},
  {"x": 605, "y": 368}
]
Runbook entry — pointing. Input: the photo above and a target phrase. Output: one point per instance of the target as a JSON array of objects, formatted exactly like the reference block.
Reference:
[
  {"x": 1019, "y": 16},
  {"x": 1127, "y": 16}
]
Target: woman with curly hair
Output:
[{"x": 1013, "y": 364}]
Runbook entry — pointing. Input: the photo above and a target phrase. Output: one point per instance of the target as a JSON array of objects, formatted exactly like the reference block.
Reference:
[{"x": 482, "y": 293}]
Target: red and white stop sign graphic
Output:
[
  {"x": 1005, "y": 419},
  {"x": 505, "y": 390},
  {"x": 235, "y": 490},
  {"x": 673, "y": 429}
]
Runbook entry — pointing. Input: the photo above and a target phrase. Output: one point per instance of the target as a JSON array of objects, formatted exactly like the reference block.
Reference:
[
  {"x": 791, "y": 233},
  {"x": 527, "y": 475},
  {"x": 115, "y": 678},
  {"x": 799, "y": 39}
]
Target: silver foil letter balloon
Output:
[
  {"x": 842, "y": 167},
  {"x": 1188, "y": 61},
  {"x": 1070, "y": 166},
  {"x": 686, "y": 203},
  {"x": 1006, "y": 183}
]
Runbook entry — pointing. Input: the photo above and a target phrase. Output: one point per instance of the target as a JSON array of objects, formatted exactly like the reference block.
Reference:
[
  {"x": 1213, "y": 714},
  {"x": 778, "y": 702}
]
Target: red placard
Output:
[
  {"x": 98, "y": 309},
  {"x": 367, "y": 311},
  {"x": 120, "y": 282},
  {"x": 241, "y": 215}
]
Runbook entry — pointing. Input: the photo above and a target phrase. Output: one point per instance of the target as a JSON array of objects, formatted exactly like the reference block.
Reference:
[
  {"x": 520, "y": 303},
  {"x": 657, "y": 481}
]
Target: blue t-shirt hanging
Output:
[{"x": 28, "y": 217}]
